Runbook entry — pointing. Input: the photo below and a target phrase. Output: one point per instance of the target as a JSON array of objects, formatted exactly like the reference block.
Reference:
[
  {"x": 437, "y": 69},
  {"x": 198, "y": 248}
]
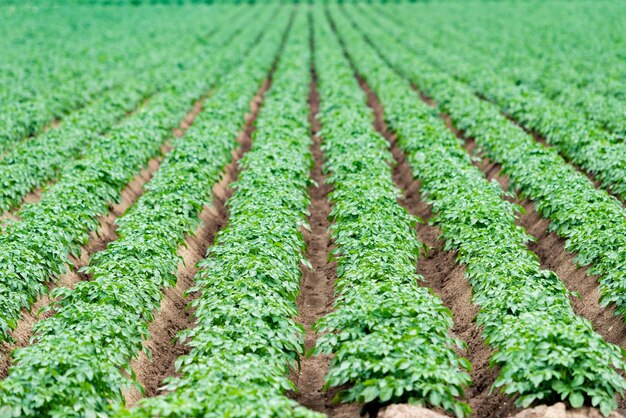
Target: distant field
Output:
[{"x": 316, "y": 209}]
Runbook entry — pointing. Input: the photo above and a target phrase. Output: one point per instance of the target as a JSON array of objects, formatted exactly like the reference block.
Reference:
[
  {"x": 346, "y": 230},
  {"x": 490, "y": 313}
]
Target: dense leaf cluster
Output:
[
  {"x": 246, "y": 339},
  {"x": 544, "y": 350},
  {"x": 592, "y": 221},
  {"x": 34, "y": 249},
  {"x": 565, "y": 51},
  {"x": 31, "y": 163},
  {"x": 575, "y": 137},
  {"x": 389, "y": 336},
  {"x": 58, "y": 59},
  {"x": 80, "y": 362}
]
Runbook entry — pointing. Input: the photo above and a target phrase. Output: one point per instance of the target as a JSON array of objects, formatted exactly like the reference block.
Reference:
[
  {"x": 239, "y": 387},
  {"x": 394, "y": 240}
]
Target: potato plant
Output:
[
  {"x": 80, "y": 362},
  {"x": 389, "y": 335},
  {"x": 544, "y": 350},
  {"x": 34, "y": 249},
  {"x": 246, "y": 339}
]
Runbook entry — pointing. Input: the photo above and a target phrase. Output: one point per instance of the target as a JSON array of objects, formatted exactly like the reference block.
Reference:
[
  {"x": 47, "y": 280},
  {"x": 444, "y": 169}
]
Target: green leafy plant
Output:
[
  {"x": 246, "y": 340},
  {"x": 35, "y": 249},
  {"x": 32, "y": 163},
  {"x": 544, "y": 350},
  {"x": 56, "y": 64},
  {"x": 389, "y": 336},
  {"x": 592, "y": 222},
  {"x": 79, "y": 363},
  {"x": 563, "y": 81}
]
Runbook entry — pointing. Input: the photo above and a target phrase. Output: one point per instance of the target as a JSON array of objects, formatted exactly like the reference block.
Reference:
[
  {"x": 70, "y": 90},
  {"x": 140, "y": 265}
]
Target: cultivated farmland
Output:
[{"x": 342, "y": 209}]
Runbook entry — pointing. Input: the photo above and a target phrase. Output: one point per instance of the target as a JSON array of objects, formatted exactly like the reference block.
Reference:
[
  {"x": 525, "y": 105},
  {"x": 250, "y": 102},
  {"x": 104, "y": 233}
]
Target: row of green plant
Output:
[
  {"x": 34, "y": 250},
  {"x": 80, "y": 362},
  {"x": 544, "y": 350},
  {"x": 38, "y": 63},
  {"x": 592, "y": 222},
  {"x": 514, "y": 44},
  {"x": 576, "y": 138},
  {"x": 530, "y": 67},
  {"x": 246, "y": 339},
  {"x": 389, "y": 336},
  {"x": 32, "y": 163},
  {"x": 604, "y": 111},
  {"x": 570, "y": 38},
  {"x": 56, "y": 62}
]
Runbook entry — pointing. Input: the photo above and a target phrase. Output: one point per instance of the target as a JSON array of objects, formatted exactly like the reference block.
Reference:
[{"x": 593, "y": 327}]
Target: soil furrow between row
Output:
[
  {"x": 551, "y": 251},
  {"x": 446, "y": 278},
  {"x": 174, "y": 314},
  {"x": 98, "y": 241},
  {"x": 317, "y": 284}
]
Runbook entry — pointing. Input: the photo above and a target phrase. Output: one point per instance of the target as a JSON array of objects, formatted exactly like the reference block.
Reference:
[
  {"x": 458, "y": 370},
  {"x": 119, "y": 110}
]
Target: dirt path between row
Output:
[
  {"x": 446, "y": 278},
  {"x": 173, "y": 315},
  {"x": 317, "y": 285},
  {"x": 551, "y": 251},
  {"x": 98, "y": 240}
]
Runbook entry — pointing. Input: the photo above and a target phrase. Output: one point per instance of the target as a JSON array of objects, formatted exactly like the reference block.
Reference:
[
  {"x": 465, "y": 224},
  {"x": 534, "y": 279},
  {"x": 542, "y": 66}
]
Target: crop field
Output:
[{"x": 309, "y": 209}]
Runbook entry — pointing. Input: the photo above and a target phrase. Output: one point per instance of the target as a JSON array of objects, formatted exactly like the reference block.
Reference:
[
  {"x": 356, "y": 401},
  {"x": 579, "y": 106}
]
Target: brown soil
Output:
[
  {"x": 551, "y": 251},
  {"x": 316, "y": 297},
  {"x": 35, "y": 195},
  {"x": 174, "y": 316},
  {"x": 98, "y": 241},
  {"x": 447, "y": 279},
  {"x": 317, "y": 285}
]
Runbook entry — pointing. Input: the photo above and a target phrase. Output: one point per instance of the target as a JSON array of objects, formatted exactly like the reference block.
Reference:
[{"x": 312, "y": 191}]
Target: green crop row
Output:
[
  {"x": 574, "y": 41},
  {"x": 511, "y": 41},
  {"x": 245, "y": 339},
  {"x": 576, "y": 138},
  {"x": 56, "y": 62},
  {"x": 592, "y": 222},
  {"x": 389, "y": 336},
  {"x": 532, "y": 68},
  {"x": 31, "y": 163},
  {"x": 544, "y": 351},
  {"x": 34, "y": 249},
  {"x": 81, "y": 358}
]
